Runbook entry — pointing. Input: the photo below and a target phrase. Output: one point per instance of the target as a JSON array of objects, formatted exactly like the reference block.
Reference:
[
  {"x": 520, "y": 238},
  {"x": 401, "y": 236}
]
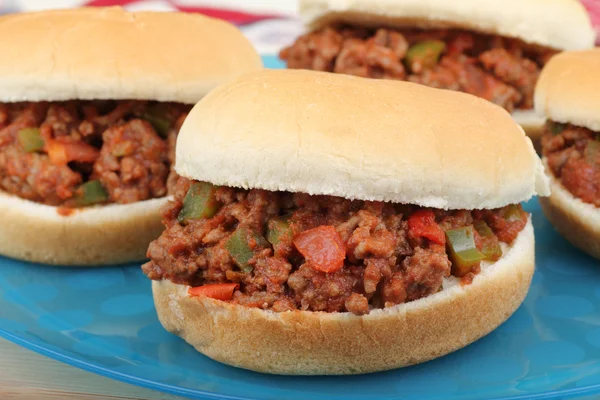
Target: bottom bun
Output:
[
  {"x": 577, "y": 221},
  {"x": 532, "y": 124},
  {"x": 100, "y": 235},
  {"x": 318, "y": 343}
]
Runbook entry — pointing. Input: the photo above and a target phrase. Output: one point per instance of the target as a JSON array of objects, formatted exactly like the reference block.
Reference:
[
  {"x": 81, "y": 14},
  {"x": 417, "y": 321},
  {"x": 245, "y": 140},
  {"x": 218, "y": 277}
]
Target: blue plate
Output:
[{"x": 103, "y": 320}]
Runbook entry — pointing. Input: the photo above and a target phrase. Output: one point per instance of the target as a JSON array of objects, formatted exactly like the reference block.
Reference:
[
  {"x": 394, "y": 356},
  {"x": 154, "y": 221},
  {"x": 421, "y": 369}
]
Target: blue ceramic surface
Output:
[{"x": 103, "y": 320}]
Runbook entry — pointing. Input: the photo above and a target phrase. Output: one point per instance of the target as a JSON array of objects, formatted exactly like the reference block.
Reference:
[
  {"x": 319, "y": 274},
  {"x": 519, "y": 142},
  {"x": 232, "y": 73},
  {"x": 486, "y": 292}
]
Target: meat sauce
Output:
[
  {"x": 501, "y": 70},
  {"x": 573, "y": 156},
  {"x": 50, "y": 150},
  {"x": 294, "y": 251}
]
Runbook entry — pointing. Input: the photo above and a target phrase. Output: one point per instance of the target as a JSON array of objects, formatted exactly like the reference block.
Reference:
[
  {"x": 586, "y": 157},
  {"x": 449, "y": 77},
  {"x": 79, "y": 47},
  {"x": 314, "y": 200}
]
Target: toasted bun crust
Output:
[
  {"x": 568, "y": 89},
  {"x": 100, "y": 235},
  {"x": 95, "y": 53},
  {"x": 334, "y": 134},
  {"x": 559, "y": 24},
  {"x": 317, "y": 343},
  {"x": 577, "y": 221}
]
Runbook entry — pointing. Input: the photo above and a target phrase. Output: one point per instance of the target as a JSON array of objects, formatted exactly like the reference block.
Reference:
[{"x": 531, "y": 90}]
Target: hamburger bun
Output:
[
  {"x": 576, "y": 221},
  {"x": 568, "y": 92},
  {"x": 78, "y": 55},
  {"x": 532, "y": 21},
  {"x": 568, "y": 89},
  {"x": 357, "y": 138},
  {"x": 406, "y": 143},
  {"x": 109, "y": 234},
  {"x": 319, "y": 343}
]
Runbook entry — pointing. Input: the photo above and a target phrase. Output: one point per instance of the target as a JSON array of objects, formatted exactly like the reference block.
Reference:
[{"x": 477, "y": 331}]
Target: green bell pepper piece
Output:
[
  {"x": 463, "y": 252},
  {"x": 491, "y": 248},
  {"x": 277, "y": 229},
  {"x": 425, "y": 54},
  {"x": 557, "y": 128},
  {"x": 512, "y": 212},
  {"x": 241, "y": 245},
  {"x": 157, "y": 117},
  {"x": 90, "y": 193},
  {"x": 199, "y": 202},
  {"x": 31, "y": 139},
  {"x": 483, "y": 229}
]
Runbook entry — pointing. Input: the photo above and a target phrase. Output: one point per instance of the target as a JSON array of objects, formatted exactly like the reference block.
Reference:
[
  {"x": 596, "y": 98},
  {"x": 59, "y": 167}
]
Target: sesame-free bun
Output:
[
  {"x": 575, "y": 220},
  {"x": 319, "y": 343},
  {"x": 340, "y": 135},
  {"x": 568, "y": 89},
  {"x": 95, "y": 53},
  {"x": 558, "y": 24},
  {"x": 532, "y": 124},
  {"x": 100, "y": 235},
  {"x": 109, "y": 53},
  {"x": 532, "y": 21}
]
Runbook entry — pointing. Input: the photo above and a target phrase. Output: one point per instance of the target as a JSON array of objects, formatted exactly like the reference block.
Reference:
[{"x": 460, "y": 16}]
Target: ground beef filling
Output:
[
  {"x": 79, "y": 153},
  {"x": 287, "y": 251},
  {"x": 573, "y": 155},
  {"x": 501, "y": 70}
]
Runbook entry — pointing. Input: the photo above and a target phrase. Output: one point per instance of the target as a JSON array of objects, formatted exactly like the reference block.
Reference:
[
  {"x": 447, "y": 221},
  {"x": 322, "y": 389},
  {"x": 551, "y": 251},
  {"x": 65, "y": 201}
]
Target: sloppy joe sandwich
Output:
[
  {"x": 491, "y": 49},
  {"x": 326, "y": 229},
  {"x": 568, "y": 94},
  {"x": 89, "y": 115}
]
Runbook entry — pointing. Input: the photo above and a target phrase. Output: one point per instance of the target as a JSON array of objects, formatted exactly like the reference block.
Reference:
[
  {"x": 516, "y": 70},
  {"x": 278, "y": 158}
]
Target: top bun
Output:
[
  {"x": 334, "y": 134},
  {"x": 568, "y": 89},
  {"x": 109, "y": 53},
  {"x": 559, "y": 24}
]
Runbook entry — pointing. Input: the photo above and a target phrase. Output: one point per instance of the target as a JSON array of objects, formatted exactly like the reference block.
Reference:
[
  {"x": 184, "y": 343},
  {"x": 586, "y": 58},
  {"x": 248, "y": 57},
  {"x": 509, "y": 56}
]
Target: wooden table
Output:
[{"x": 25, "y": 375}]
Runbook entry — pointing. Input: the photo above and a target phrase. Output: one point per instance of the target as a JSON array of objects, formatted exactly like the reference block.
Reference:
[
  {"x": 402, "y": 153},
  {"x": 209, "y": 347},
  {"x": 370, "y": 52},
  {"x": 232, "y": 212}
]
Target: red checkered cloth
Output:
[
  {"x": 593, "y": 7},
  {"x": 270, "y": 24},
  {"x": 240, "y": 16}
]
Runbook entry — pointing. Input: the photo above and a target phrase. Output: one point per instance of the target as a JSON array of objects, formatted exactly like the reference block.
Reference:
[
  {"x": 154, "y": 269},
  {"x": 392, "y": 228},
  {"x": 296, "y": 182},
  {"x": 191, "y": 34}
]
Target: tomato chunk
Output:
[
  {"x": 422, "y": 224},
  {"x": 461, "y": 43},
  {"x": 322, "y": 247},
  {"x": 62, "y": 152},
  {"x": 219, "y": 291}
]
